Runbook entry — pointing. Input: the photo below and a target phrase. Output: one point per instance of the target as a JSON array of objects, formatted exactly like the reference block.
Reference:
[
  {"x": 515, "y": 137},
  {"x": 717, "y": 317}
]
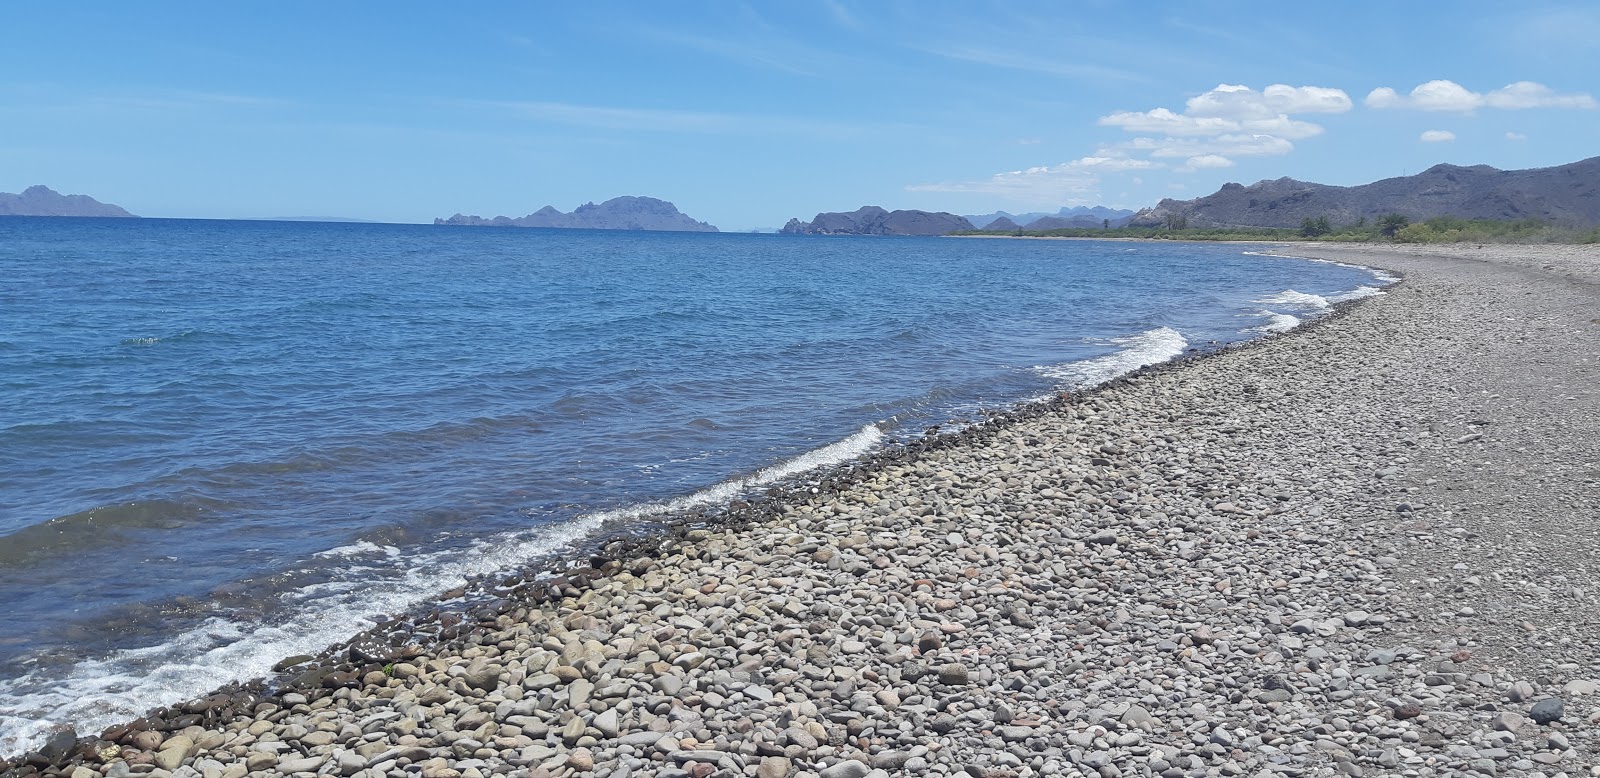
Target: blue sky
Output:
[{"x": 745, "y": 114}]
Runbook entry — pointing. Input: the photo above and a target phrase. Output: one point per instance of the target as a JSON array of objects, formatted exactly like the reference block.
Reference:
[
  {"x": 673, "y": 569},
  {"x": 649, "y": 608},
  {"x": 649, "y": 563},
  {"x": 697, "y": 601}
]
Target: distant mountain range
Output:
[
  {"x": 1563, "y": 195},
  {"x": 44, "y": 201},
  {"x": 328, "y": 219},
  {"x": 872, "y": 220},
  {"x": 1079, "y": 216},
  {"x": 618, "y": 213}
]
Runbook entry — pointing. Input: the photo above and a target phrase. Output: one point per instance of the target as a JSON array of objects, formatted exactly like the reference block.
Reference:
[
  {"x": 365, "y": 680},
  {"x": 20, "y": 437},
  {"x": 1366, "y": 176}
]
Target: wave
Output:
[
  {"x": 1383, "y": 277},
  {"x": 1276, "y": 322},
  {"x": 1146, "y": 348},
  {"x": 153, "y": 340},
  {"x": 96, "y": 693},
  {"x": 65, "y": 534},
  {"x": 1295, "y": 299}
]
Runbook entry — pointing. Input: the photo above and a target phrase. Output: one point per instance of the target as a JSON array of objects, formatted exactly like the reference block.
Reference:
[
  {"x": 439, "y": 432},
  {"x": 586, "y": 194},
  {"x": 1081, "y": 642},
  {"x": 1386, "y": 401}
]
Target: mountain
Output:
[
  {"x": 983, "y": 221},
  {"x": 1085, "y": 216},
  {"x": 1566, "y": 195},
  {"x": 872, "y": 220},
  {"x": 1081, "y": 221},
  {"x": 618, "y": 213},
  {"x": 1000, "y": 224},
  {"x": 328, "y": 219},
  {"x": 44, "y": 201}
]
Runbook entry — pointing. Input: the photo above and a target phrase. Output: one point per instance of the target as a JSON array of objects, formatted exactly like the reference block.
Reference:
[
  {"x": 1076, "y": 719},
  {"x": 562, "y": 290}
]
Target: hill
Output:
[
  {"x": 1565, "y": 195},
  {"x": 1077, "y": 216},
  {"x": 618, "y": 213},
  {"x": 44, "y": 201},
  {"x": 872, "y": 220}
]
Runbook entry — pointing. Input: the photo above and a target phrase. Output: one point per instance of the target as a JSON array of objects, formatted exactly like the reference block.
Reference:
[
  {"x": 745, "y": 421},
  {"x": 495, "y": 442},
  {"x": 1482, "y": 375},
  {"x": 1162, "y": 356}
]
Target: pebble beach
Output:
[{"x": 1369, "y": 546}]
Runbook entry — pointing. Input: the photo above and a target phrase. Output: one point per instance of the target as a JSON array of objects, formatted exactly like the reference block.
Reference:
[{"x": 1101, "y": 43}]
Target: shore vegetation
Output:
[{"x": 1390, "y": 228}]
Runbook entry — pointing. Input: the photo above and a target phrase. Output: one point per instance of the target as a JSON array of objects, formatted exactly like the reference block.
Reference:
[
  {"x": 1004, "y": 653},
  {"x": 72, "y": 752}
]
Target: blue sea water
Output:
[{"x": 222, "y": 443}]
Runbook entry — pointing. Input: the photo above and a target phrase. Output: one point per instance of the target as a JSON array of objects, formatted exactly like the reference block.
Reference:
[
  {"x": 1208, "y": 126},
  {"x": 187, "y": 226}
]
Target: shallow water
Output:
[{"x": 226, "y": 442}]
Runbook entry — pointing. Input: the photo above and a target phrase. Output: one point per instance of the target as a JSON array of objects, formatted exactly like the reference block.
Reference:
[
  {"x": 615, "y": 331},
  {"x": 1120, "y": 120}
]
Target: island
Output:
[
  {"x": 41, "y": 200},
  {"x": 618, "y": 213},
  {"x": 872, "y": 220}
]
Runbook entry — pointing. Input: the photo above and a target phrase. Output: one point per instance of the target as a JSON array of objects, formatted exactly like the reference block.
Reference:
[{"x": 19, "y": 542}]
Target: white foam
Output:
[
  {"x": 358, "y": 549},
  {"x": 1356, "y": 294},
  {"x": 1383, "y": 277},
  {"x": 863, "y": 441},
  {"x": 1146, "y": 348},
  {"x": 97, "y": 693},
  {"x": 1277, "y": 322},
  {"x": 1295, "y": 299}
]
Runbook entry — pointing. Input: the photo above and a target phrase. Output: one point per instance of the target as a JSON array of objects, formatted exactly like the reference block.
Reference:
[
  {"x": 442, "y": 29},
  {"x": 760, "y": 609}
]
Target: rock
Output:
[
  {"x": 774, "y": 767},
  {"x": 260, "y": 760},
  {"x": 1506, "y": 721},
  {"x": 890, "y": 760},
  {"x": 1136, "y": 715},
  {"x": 170, "y": 758},
  {"x": 1410, "y": 710},
  {"x": 953, "y": 674},
  {"x": 1547, "y": 710},
  {"x": 799, "y": 737},
  {"x": 1521, "y": 691},
  {"x": 148, "y": 740},
  {"x": 581, "y": 759},
  {"x": 1015, "y": 734},
  {"x": 306, "y": 765},
  {"x": 608, "y": 723},
  {"x": 350, "y": 763},
  {"x": 481, "y": 675},
  {"x": 849, "y": 768},
  {"x": 1581, "y": 687}
]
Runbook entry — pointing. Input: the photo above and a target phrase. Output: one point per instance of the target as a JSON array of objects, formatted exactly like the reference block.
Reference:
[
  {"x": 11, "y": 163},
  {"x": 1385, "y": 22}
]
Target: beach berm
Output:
[{"x": 1365, "y": 547}]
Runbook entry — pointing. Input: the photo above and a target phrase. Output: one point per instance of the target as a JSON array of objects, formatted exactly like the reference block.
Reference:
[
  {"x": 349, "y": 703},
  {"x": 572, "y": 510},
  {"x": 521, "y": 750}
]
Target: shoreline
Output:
[{"x": 537, "y": 614}]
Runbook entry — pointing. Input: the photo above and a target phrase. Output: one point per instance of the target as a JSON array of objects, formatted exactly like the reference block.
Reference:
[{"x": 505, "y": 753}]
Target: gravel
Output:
[{"x": 1195, "y": 571}]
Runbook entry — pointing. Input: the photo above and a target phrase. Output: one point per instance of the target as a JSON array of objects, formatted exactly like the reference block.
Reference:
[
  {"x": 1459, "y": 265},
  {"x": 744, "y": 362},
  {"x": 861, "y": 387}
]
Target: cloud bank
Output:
[{"x": 1448, "y": 96}]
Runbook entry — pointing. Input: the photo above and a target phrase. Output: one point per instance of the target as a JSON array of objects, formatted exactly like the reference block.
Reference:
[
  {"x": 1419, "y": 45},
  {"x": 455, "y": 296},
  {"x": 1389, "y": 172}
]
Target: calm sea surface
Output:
[{"x": 222, "y": 443}]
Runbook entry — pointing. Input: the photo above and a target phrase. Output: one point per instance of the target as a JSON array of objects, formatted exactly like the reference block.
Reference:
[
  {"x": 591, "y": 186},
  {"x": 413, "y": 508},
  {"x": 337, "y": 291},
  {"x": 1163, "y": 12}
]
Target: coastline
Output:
[{"x": 1032, "y": 571}]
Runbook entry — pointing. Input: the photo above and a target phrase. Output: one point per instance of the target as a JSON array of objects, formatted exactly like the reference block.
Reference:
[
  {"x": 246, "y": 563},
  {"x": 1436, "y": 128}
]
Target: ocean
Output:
[{"x": 227, "y": 442}]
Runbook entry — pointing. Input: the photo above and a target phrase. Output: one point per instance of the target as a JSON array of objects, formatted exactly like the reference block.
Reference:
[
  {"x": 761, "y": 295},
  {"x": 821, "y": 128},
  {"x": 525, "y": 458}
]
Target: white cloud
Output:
[
  {"x": 1206, "y": 162},
  {"x": 1527, "y": 94},
  {"x": 1437, "y": 136},
  {"x": 1384, "y": 97},
  {"x": 1245, "y": 118},
  {"x": 1516, "y": 136},
  {"x": 1168, "y": 123},
  {"x": 1283, "y": 127},
  {"x": 1068, "y": 183},
  {"x": 1228, "y": 121},
  {"x": 1443, "y": 95},
  {"x": 1225, "y": 145},
  {"x": 1232, "y": 101},
  {"x": 1110, "y": 164}
]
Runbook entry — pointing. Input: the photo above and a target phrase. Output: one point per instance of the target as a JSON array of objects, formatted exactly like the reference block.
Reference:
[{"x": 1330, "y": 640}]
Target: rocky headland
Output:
[
  {"x": 44, "y": 201},
  {"x": 1565, "y": 195},
  {"x": 872, "y": 220},
  {"x": 1366, "y": 547},
  {"x": 618, "y": 213}
]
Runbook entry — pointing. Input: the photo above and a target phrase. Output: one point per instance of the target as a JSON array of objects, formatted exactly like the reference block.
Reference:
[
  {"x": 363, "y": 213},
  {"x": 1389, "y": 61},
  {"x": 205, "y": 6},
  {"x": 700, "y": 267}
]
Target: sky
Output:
[{"x": 748, "y": 114}]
